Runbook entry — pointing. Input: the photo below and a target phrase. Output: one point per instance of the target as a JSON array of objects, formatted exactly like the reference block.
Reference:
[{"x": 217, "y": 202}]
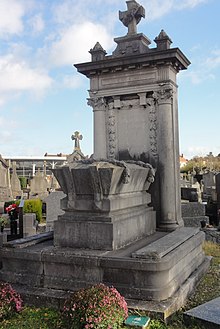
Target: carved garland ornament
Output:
[
  {"x": 153, "y": 125},
  {"x": 123, "y": 164},
  {"x": 111, "y": 128}
]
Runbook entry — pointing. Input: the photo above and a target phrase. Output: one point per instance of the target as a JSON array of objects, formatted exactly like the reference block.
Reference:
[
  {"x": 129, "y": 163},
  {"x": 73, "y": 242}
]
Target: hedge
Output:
[{"x": 33, "y": 206}]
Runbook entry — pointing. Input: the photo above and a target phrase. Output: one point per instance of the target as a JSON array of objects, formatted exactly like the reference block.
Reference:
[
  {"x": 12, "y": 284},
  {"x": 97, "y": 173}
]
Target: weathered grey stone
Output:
[
  {"x": 39, "y": 186},
  {"x": 53, "y": 208},
  {"x": 162, "y": 247},
  {"x": 103, "y": 234},
  {"x": 106, "y": 206},
  {"x": 189, "y": 193},
  {"x": 3, "y": 238},
  {"x": 212, "y": 234},
  {"x": 29, "y": 241},
  {"x": 193, "y": 214},
  {"x": 5, "y": 184},
  {"x": 130, "y": 94},
  {"x": 207, "y": 314},
  {"x": 70, "y": 269},
  {"x": 15, "y": 183},
  {"x": 29, "y": 224},
  {"x": 193, "y": 209}
]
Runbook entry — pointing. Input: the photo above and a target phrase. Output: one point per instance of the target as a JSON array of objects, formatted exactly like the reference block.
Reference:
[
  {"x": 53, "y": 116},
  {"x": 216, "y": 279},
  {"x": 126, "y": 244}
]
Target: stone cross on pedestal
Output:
[
  {"x": 131, "y": 17},
  {"x": 77, "y": 137}
]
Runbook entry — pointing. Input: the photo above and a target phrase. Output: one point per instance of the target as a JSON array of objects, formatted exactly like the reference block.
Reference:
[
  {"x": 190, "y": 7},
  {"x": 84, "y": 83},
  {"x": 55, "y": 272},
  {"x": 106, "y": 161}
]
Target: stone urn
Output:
[{"x": 106, "y": 204}]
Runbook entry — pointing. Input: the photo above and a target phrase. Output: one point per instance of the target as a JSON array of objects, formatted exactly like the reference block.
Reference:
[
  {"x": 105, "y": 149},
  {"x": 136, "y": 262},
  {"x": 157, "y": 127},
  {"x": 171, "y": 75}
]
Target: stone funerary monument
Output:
[{"x": 122, "y": 221}]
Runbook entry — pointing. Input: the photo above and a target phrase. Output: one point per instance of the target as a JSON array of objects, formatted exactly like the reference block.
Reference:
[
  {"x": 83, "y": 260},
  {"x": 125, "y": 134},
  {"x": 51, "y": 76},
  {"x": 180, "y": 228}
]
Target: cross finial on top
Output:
[
  {"x": 131, "y": 17},
  {"x": 76, "y": 137}
]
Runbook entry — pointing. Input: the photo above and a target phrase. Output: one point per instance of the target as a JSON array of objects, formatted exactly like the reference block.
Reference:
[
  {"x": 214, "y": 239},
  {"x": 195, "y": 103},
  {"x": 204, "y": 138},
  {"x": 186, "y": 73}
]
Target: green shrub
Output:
[
  {"x": 97, "y": 307},
  {"x": 23, "y": 181},
  {"x": 33, "y": 206},
  {"x": 10, "y": 301}
]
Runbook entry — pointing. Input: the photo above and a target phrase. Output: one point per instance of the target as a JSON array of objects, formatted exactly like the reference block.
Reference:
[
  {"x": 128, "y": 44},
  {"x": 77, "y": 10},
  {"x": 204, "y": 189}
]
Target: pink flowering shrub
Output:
[
  {"x": 10, "y": 301},
  {"x": 98, "y": 307}
]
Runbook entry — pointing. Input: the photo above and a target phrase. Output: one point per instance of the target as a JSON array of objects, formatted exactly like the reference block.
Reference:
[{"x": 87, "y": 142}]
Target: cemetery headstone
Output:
[
  {"x": 39, "y": 186},
  {"x": 5, "y": 184},
  {"x": 53, "y": 208},
  {"x": 108, "y": 230},
  {"x": 15, "y": 183},
  {"x": 29, "y": 224}
]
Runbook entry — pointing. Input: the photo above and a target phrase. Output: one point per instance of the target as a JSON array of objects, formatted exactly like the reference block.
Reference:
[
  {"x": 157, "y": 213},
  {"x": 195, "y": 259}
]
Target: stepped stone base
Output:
[
  {"x": 154, "y": 268},
  {"x": 39, "y": 297}
]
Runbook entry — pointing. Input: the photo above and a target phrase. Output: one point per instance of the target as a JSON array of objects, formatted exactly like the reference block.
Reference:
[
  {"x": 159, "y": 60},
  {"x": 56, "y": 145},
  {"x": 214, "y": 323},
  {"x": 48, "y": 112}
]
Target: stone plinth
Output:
[
  {"x": 106, "y": 206},
  {"x": 153, "y": 268}
]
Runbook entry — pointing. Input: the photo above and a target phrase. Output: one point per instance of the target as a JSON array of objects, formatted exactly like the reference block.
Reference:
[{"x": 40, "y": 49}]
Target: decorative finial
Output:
[
  {"x": 77, "y": 137},
  {"x": 97, "y": 52},
  {"x": 163, "y": 41},
  {"x": 131, "y": 17}
]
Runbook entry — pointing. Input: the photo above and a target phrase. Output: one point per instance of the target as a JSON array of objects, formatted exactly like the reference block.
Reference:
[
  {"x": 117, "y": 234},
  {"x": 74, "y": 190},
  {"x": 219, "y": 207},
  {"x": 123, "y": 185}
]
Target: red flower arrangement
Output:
[{"x": 11, "y": 207}]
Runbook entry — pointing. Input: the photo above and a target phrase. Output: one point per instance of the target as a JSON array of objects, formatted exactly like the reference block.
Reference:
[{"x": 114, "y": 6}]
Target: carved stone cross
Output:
[
  {"x": 77, "y": 137},
  {"x": 131, "y": 17}
]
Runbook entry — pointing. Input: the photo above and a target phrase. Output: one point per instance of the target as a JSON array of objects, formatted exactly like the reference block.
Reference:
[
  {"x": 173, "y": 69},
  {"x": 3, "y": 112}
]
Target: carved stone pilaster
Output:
[
  {"x": 111, "y": 129},
  {"x": 150, "y": 102},
  {"x": 99, "y": 109}
]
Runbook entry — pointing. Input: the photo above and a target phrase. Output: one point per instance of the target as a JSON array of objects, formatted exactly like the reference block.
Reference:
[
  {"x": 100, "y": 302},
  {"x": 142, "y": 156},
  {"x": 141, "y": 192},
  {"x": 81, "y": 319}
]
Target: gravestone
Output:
[
  {"x": 108, "y": 230},
  {"x": 39, "y": 186},
  {"x": 5, "y": 185},
  {"x": 53, "y": 208},
  {"x": 194, "y": 213},
  {"x": 29, "y": 224},
  {"x": 209, "y": 185},
  {"x": 207, "y": 314},
  {"x": 15, "y": 183},
  {"x": 133, "y": 94}
]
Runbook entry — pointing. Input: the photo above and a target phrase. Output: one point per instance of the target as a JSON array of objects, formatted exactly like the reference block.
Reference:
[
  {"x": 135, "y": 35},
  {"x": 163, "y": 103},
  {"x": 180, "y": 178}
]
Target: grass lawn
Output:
[{"x": 209, "y": 288}]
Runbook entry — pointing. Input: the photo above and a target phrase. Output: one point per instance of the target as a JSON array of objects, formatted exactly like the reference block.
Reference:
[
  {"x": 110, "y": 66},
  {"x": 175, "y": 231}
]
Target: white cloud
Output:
[
  {"x": 213, "y": 61},
  {"x": 18, "y": 76},
  {"x": 37, "y": 23},
  {"x": 189, "y": 3},
  {"x": 158, "y": 8},
  {"x": 11, "y": 14},
  {"x": 198, "y": 76},
  {"x": 205, "y": 68},
  {"x": 72, "y": 81},
  {"x": 75, "y": 42}
]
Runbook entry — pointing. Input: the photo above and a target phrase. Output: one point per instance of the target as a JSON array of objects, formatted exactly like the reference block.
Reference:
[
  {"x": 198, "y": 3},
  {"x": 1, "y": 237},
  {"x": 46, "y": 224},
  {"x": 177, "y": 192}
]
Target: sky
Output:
[{"x": 43, "y": 100}]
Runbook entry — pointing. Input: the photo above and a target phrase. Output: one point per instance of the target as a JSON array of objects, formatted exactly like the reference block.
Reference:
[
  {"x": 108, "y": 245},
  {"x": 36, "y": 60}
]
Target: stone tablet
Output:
[{"x": 208, "y": 314}]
